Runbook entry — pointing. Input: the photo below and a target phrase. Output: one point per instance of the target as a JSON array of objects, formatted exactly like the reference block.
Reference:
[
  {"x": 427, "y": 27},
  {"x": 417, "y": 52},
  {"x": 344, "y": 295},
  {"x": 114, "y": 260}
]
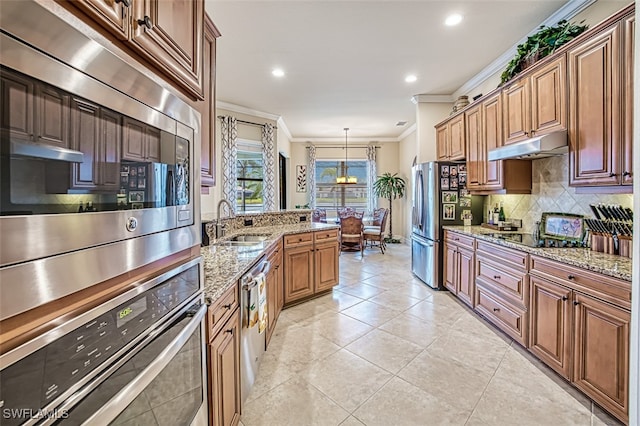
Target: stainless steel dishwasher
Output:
[{"x": 252, "y": 342}]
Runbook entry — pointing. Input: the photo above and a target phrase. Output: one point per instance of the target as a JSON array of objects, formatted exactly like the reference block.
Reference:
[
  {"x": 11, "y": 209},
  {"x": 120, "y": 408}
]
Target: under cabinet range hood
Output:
[
  {"x": 45, "y": 152},
  {"x": 548, "y": 145}
]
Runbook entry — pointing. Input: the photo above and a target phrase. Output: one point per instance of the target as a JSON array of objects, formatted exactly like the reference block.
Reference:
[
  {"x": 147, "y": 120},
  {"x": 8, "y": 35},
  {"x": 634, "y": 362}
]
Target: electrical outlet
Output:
[
  {"x": 248, "y": 222},
  {"x": 303, "y": 218}
]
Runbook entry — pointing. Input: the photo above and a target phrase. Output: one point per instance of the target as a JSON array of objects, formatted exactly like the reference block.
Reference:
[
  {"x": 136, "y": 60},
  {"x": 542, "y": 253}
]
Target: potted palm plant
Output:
[{"x": 389, "y": 186}]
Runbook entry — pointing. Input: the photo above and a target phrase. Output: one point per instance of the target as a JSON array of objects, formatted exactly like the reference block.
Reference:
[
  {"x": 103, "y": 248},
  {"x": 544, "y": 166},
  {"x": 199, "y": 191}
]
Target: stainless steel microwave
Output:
[{"x": 99, "y": 160}]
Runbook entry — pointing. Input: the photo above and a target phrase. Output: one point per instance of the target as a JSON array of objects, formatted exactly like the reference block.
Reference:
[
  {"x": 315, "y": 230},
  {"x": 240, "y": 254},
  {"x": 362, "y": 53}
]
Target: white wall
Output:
[
  {"x": 428, "y": 114},
  {"x": 408, "y": 148}
]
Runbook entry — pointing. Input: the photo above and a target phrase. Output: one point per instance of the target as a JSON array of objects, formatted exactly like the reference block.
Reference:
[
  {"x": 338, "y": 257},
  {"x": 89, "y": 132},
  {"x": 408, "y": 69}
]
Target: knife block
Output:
[
  {"x": 626, "y": 246},
  {"x": 604, "y": 244}
]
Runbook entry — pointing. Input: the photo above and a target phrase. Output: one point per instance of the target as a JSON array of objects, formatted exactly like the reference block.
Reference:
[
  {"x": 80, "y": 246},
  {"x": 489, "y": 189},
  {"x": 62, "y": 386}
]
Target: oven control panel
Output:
[{"x": 38, "y": 379}]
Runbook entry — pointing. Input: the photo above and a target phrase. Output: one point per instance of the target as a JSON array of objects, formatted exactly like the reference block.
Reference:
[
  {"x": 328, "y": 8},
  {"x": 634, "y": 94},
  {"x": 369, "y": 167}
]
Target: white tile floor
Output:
[{"x": 384, "y": 349}]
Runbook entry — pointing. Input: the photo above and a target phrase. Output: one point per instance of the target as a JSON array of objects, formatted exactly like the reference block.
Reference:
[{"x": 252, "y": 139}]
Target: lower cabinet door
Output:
[
  {"x": 326, "y": 266},
  {"x": 550, "y": 324},
  {"x": 298, "y": 266},
  {"x": 467, "y": 276},
  {"x": 224, "y": 374},
  {"x": 601, "y": 354},
  {"x": 450, "y": 266},
  {"x": 272, "y": 296}
]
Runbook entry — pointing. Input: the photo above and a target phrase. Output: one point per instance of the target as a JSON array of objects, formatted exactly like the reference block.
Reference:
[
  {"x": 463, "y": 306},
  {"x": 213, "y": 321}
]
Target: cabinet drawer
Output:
[
  {"x": 510, "y": 282},
  {"x": 459, "y": 239},
  {"x": 221, "y": 310},
  {"x": 511, "y": 320},
  {"x": 298, "y": 239},
  {"x": 328, "y": 235},
  {"x": 601, "y": 286},
  {"x": 503, "y": 255}
]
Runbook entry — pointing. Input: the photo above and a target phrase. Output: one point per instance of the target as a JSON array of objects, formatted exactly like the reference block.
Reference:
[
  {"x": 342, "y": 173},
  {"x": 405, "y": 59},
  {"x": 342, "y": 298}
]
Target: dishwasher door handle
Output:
[{"x": 249, "y": 280}]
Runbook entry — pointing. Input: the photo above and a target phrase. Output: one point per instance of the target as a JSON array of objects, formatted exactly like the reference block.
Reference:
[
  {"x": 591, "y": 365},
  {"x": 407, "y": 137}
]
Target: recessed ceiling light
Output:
[
  {"x": 410, "y": 78},
  {"x": 278, "y": 72},
  {"x": 453, "y": 19}
]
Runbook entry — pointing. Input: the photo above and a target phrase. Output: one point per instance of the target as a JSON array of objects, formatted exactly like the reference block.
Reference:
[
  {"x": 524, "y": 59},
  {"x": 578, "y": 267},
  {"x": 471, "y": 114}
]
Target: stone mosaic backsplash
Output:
[
  {"x": 287, "y": 217},
  {"x": 551, "y": 193}
]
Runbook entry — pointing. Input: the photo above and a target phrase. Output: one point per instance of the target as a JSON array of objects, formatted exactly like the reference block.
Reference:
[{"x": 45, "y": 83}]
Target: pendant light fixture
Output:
[{"x": 345, "y": 179}]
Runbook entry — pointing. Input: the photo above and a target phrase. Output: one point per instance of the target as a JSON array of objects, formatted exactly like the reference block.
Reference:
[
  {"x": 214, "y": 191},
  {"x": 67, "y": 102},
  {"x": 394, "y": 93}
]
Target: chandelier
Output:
[{"x": 345, "y": 179}]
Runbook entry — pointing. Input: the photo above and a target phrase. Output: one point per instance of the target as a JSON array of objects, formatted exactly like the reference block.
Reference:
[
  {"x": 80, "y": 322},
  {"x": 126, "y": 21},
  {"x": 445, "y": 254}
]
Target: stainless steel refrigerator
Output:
[{"x": 440, "y": 197}]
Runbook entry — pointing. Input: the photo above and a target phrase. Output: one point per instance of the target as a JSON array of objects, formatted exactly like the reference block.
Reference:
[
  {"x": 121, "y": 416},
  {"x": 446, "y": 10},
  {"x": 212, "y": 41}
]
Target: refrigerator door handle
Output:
[{"x": 419, "y": 199}]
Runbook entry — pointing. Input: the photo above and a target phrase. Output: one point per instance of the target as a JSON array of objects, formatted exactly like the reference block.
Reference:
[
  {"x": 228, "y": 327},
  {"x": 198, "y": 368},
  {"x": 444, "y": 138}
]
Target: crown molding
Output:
[
  {"x": 568, "y": 11},
  {"x": 244, "y": 110},
  {"x": 411, "y": 129},
  {"x": 341, "y": 140},
  {"x": 422, "y": 98},
  {"x": 283, "y": 126}
]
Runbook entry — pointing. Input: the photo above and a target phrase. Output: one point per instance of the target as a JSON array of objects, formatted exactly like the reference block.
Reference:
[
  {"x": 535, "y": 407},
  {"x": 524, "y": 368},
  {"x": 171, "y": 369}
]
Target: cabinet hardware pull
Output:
[
  {"x": 625, "y": 173},
  {"x": 533, "y": 132},
  {"x": 146, "y": 21},
  {"x": 496, "y": 277},
  {"x": 456, "y": 239},
  {"x": 526, "y": 133},
  {"x": 227, "y": 306},
  {"x": 612, "y": 175},
  {"x": 230, "y": 331},
  {"x": 496, "y": 309},
  {"x": 127, "y": 3},
  {"x": 564, "y": 298},
  {"x": 576, "y": 303},
  {"x": 571, "y": 277}
]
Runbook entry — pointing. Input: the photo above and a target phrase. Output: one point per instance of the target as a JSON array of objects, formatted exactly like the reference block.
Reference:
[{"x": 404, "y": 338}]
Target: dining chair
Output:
[
  {"x": 375, "y": 231},
  {"x": 351, "y": 233},
  {"x": 319, "y": 216}
]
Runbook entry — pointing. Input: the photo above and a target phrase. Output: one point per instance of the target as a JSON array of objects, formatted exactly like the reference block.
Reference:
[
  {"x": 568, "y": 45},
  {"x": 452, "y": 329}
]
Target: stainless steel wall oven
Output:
[
  {"x": 99, "y": 160},
  {"x": 138, "y": 358}
]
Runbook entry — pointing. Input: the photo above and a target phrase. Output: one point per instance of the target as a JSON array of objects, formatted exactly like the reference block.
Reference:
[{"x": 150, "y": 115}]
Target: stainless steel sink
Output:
[{"x": 249, "y": 238}]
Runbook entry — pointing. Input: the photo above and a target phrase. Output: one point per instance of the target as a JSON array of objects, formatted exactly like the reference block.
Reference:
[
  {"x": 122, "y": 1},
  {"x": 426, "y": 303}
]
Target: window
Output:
[
  {"x": 332, "y": 196},
  {"x": 249, "y": 189}
]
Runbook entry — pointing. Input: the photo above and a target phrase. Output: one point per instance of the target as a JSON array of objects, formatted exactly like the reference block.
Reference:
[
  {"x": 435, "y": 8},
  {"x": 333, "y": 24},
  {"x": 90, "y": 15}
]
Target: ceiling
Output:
[{"x": 345, "y": 61}]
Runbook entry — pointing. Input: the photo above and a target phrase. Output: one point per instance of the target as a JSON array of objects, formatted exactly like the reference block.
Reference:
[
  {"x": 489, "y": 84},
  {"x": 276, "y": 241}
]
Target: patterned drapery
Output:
[
  {"x": 372, "y": 200},
  {"x": 229, "y": 159},
  {"x": 311, "y": 176},
  {"x": 269, "y": 168}
]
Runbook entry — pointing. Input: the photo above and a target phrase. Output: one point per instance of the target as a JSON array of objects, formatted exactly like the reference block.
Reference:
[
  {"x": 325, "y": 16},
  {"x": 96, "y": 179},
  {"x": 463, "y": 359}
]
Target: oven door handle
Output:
[{"x": 109, "y": 411}]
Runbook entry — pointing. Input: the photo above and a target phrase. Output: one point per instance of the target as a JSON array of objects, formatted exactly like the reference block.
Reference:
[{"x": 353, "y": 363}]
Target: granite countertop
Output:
[
  {"x": 225, "y": 264},
  {"x": 606, "y": 264}
]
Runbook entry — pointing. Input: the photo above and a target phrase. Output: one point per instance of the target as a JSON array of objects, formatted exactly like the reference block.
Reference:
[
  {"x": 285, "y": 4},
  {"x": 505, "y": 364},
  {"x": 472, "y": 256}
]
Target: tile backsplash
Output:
[{"x": 551, "y": 193}]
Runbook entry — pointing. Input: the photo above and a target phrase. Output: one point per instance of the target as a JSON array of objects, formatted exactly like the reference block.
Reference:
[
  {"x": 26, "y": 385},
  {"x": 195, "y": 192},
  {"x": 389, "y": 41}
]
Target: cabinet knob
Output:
[
  {"x": 571, "y": 277},
  {"x": 576, "y": 303},
  {"x": 564, "y": 298},
  {"x": 146, "y": 21},
  {"x": 227, "y": 306},
  {"x": 126, "y": 3},
  {"x": 497, "y": 277},
  {"x": 496, "y": 309},
  {"x": 625, "y": 173},
  {"x": 230, "y": 331}
]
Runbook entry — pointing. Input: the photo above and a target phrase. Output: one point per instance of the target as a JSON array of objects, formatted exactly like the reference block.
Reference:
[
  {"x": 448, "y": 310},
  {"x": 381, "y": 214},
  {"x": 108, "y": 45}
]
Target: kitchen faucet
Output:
[{"x": 220, "y": 228}]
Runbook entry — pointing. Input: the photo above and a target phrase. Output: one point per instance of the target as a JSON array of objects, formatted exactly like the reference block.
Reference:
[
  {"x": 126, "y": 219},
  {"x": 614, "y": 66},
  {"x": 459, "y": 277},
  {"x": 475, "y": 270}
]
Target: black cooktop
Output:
[{"x": 528, "y": 240}]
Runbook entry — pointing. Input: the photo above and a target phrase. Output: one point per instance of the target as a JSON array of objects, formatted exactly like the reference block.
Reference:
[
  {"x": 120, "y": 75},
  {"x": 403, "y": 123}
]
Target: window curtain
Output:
[
  {"x": 269, "y": 170},
  {"x": 311, "y": 176},
  {"x": 372, "y": 175},
  {"x": 229, "y": 127}
]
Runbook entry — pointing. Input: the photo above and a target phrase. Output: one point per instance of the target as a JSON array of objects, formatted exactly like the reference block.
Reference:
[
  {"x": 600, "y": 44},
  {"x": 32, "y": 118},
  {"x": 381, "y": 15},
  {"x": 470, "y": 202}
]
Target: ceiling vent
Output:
[{"x": 401, "y": 123}]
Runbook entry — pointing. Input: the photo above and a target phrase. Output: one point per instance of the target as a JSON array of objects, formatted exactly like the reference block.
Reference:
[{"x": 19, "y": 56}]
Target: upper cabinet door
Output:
[
  {"x": 475, "y": 164},
  {"x": 627, "y": 103},
  {"x": 170, "y": 33},
  {"x": 492, "y": 135},
  {"x": 549, "y": 98},
  {"x": 18, "y": 110},
  {"x": 442, "y": 142},
  {"x": 594, "y": 113},
  {"x": 208, "y": 107},
  {"x": 52, "y": 114},
  {"x": 456, "y": 138},
  {"x": 516, "y": 109},
  {"x": 111, "y": 14}
]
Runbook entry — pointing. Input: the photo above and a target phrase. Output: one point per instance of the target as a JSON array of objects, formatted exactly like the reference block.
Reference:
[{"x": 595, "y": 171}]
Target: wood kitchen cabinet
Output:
[
  {"x": 483, "y": 133},
  {"x": 34, "y": 111},
  {"x": 311, "y": 264},
  {"x": 450, "y": 139},
  {"x": 165, "y": 33},
  {"x": 207, "y": 107},
  {"x": 141, "y": 142},
  {"x": 600, "y": 113},
  {"x": 223, "y": 331},
  {"x": 569, "y": 304},
  {"x": 459, "y": 277},
  {"x": 275, "y": 299},
  {"x": 536, "y": 104}
]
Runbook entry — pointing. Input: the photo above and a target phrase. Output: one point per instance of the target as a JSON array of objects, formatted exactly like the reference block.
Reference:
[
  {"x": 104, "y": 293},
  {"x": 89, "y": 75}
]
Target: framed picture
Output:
[
  {"x": 133, "y": 171},
  {"x": 133, "y": 182},
  {"x": 453, "y": 171},
  {"x": 453, "y": 184},
  {"x": 449, "y": 211},
  {"x": 462, "y": 168},
  {"x": 562, "y": 226},
  {"x": 137, "y": 206},
  {"x": 464, "y": 193},
  {"x": 462, "y": 180},
  {"x": 136, "y": 196},
  {"x": 444, "y": 172},
  {"x": 449, "y": 197},
  {"x": 444, "y": 183},
  {"x": 301, "y": 178},
  {"x": 465, "y": 202},
  {"x": 141, "y": 171},
  {"x": 124, "y": 181},
  {"x": 142, "y": 182},
  {"x": 124, "y": 171}
]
